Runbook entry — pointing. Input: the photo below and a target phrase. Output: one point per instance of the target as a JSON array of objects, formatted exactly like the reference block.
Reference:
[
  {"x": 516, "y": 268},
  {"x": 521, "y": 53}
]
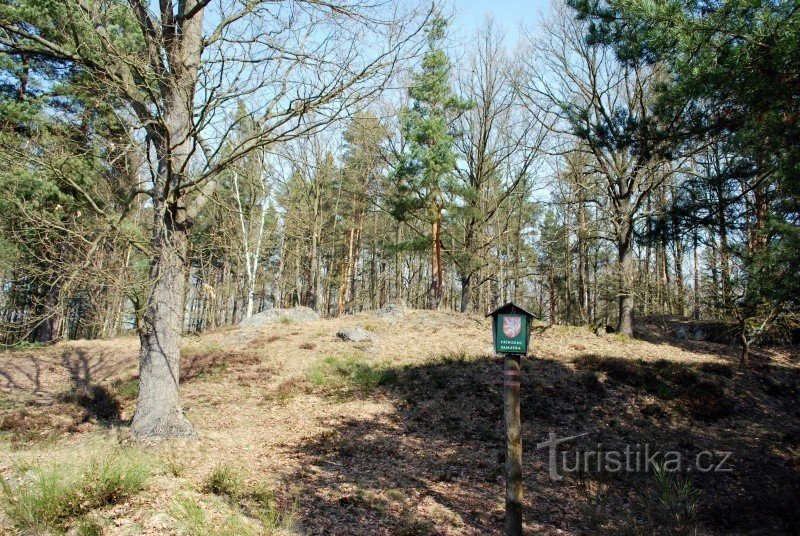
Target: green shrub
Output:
[
  {"x": 52, "y": 496},
  {"x": 677, "y": 501}
]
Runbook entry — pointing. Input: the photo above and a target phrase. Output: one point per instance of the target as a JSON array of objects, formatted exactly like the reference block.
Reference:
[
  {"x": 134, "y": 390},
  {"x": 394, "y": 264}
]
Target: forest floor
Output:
[{"x": 404, "y": 436}]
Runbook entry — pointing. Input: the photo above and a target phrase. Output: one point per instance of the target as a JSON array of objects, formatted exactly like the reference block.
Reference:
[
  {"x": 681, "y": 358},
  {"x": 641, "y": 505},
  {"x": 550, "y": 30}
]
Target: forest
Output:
[
  {"x": 175, "y": 168},
  {"x": 250, "y": 252}
]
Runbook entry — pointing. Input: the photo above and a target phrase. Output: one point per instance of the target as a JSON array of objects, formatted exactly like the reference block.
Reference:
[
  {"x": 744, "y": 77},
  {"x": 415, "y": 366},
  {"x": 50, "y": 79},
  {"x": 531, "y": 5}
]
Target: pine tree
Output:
[{"x": 423, "y": 171}]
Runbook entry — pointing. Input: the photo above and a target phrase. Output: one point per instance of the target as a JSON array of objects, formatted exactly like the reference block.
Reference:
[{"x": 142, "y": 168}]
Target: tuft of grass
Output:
[
  {"x": 285, "y": 320},
  {"x": 214, "y": 370},
  {"x": 308, "y": 346},
  {"x": 190, "y": 516},
  {"x": 411, "y": 525},
  {"x": 590, "y": 381},
  {"x": 127, "y": 390},
  {"x": 48, "y": 498},
  {"x": 263, "y": 516},
  {"x": 193, "y": 521},
  {"x": 89, "y": 527},
  {"x": 349, "y": 373},
  {"x": 262, "y": 505},
  {"x": 174, "y": 465},
  {"x": 286, "y": 390},
  {"x": 621, "y": 338},
  {"x": 395, "y": 495},
  {"x": 225, "y": 480}
]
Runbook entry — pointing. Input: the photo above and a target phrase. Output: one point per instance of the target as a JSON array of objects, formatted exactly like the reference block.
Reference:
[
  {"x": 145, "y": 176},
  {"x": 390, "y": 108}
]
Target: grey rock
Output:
[
  {"x": 700, "y": 335},
  {"x": 682, "y": 333},
  {"x": 243, "y": 337},
  {"x": 356, "y": 334},
  {"x": 293, "y": 315},
  {"x": 393, "y": 311}
]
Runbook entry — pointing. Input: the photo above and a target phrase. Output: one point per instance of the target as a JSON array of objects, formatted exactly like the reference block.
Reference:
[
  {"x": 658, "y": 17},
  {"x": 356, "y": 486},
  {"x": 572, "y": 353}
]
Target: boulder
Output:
[
  {"x": 356, "y": 334},
  {"x": 700, "y": 335},
  {"x": 682, "y": 332},
  {"x": 293, "y": 315},
  {"x": 393, "y": 311}
]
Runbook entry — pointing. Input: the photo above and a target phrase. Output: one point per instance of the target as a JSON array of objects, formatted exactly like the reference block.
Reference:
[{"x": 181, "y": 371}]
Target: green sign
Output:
[{"x": 511, "y": 334}]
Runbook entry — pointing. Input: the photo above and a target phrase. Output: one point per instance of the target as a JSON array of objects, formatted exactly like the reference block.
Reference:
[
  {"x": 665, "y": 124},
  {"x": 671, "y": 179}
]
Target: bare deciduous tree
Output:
[
  {"x": 584, "y": 93},
  {"x": 297, "y": 66}
]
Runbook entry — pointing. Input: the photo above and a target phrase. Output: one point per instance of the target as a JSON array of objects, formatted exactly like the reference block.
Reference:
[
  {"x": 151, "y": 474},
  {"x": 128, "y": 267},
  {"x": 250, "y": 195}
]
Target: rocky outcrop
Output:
[
  {"x": 393, "y": 311},
  {"x": 293, "y": 315},
  {"x": 357, "y": 334}
]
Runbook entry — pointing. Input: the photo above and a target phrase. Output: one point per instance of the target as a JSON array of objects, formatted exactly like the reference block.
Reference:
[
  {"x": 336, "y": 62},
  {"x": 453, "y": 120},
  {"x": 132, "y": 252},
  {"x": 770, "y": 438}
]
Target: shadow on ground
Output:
[
  {"x": 41, "y": 408},
  {"x": 434, "y": 466}
]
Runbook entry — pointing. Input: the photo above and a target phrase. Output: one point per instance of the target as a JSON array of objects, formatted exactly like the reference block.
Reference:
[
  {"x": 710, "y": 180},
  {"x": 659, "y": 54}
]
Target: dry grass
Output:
[
  {"x": 403, "y": 436},
  {"x": 50, "y": 499}
]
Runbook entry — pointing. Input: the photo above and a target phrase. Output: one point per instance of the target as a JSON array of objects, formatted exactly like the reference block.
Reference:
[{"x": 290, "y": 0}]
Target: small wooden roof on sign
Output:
[{"x": 511, "y": 308}]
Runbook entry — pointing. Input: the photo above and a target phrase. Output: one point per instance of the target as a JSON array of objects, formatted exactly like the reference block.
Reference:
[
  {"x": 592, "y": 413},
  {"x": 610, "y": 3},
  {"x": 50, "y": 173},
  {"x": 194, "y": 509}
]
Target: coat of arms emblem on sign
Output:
[{"x": 512, "y": 325}]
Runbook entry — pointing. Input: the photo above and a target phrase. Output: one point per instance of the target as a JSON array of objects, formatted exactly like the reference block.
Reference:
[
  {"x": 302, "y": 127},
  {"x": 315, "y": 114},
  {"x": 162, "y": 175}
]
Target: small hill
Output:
[{"x": 301, "y": 432}]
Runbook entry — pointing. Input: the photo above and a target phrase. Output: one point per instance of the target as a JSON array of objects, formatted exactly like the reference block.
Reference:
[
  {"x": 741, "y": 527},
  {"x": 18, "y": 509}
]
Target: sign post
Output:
[{"x": 511, "y": 334}]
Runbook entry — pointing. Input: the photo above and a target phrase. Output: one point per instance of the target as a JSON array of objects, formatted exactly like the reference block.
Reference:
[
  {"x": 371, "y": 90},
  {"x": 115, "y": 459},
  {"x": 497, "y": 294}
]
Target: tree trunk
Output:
[
  {"x": 466, "y": 288},
  {"x": 666, "y": 304},
  {"x": 158, "y": 411},
  {"x": 355, "y": 261},
  {"x": 278, "y": 281},
  {"x": 722, "y": 223},
  {"x": 344, "y": 291},
  {"x": 696, "y": 283},
  {"x": 50, "y": 327},
  {"x": 647, "y": 256},
  {"x": 567, "y": 269},
  {"x": 435, "y": 293},
  {"x": 680, "y": 300},
  {"x": 553, "y": 299},
  {"x": 744, "y": 340},
  {"x": 625, "y": 322},
  {"x": 583, "y": 266}
]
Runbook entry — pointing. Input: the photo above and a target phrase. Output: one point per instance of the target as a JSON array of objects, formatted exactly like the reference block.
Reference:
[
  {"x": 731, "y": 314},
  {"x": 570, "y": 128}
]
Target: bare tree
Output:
[
  {"x": 499, "y": 146},
  {"x": 583, "y": 92},
  {"x": 182, "y": 77}
]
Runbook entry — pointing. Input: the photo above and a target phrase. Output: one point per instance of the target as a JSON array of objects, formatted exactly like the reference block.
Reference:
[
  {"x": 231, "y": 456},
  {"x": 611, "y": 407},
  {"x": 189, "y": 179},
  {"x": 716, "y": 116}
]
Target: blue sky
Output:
[{"x": 469, "y": 14}]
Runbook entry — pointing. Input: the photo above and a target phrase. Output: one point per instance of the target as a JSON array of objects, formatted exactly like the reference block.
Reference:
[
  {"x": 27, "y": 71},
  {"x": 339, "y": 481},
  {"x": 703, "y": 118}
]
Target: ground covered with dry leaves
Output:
[{"x": 301, "y": 433}]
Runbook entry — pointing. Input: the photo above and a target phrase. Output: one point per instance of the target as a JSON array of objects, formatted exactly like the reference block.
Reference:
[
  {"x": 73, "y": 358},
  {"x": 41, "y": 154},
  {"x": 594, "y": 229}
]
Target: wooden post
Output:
[{"x": 511, "y": 385}]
